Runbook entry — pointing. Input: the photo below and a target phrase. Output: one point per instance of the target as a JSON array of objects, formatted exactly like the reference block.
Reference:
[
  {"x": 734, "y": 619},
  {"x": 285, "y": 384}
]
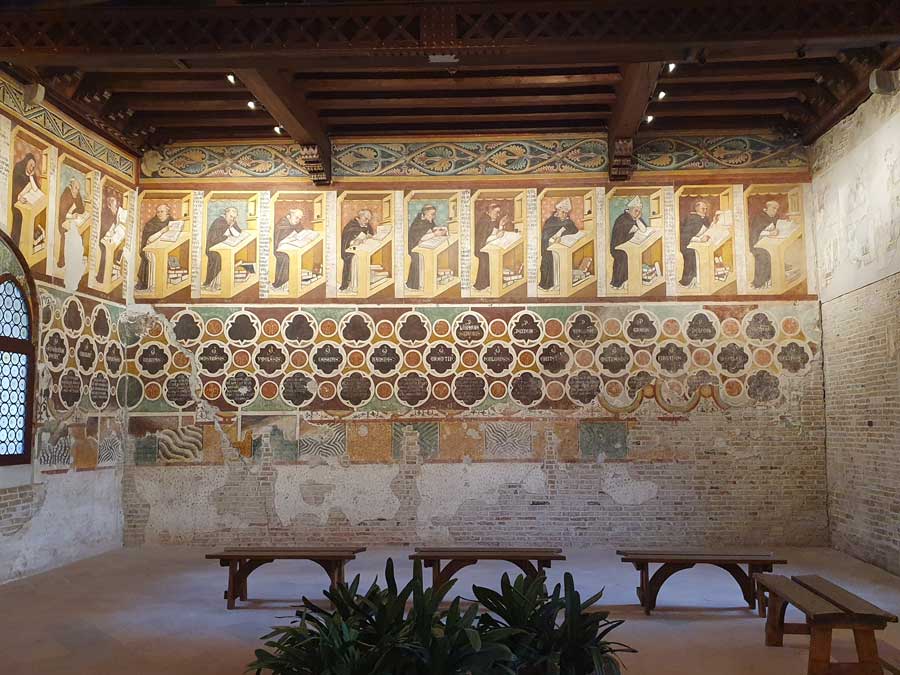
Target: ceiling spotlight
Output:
[
  {"x": 661, "y": 95},
  {"x": 251, "y": 105},
  {"x": 231, "y": 78},
  {"x": 672, "y": 67},
  {"x": 278, "y": 129},
  {"x": 649, "y": 118}
]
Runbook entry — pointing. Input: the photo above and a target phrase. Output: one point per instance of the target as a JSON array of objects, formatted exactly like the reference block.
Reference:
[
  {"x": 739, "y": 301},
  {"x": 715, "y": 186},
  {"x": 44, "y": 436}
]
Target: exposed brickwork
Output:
[
  {"x": 861, "y": 332},
  {"x": 17, "y": 505}
]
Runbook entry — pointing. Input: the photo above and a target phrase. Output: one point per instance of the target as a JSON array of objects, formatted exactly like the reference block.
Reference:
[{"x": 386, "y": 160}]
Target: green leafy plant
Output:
[{"x": 403, "y": 631}]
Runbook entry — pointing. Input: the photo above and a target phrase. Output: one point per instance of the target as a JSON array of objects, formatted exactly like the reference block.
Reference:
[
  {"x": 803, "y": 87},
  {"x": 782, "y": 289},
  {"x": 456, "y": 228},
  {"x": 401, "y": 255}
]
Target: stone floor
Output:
[{"x": 161, "y": 612}]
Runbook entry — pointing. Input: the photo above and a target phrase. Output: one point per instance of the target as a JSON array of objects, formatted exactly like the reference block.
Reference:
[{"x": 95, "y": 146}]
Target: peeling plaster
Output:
[{"x": 616, "y": 482}]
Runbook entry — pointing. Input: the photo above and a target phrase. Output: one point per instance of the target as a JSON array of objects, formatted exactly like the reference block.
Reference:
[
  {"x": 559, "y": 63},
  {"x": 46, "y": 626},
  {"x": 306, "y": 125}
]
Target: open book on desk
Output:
[
  {"x": 297, "y": 240},
  {"x": 173, "y": 231},
  {"x": 432, "y": 242},
  {"x": 504, "y": 240},
  {"x": 238, "y": 239},
  {"x": 572, "y": 239},
  {"x": 641, "y": 236},
  {"x": 31, "y": 195}
]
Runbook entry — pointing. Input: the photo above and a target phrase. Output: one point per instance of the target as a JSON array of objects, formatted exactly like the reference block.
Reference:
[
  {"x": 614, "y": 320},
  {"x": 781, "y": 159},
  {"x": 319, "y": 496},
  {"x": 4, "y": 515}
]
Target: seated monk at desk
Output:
[
  {"x": 287, "y": 225},
  {"x": 693, "y": 227},
  {"x": 422, "y": 229},
  {"x": 558, "y": 224},
  {"x": 763, "y": 224},
  {"x": 109, "y": 219},
  {"x": 627, "y": 225},
  {"x": 359, "y": 227},
  {"x": 25, "y": 190},
  {"x": 151, "y": 231},
  {"x": 220, "y": 229},
  {"x": 488, "y": 226},
  {"x": 71, "y": 204}
]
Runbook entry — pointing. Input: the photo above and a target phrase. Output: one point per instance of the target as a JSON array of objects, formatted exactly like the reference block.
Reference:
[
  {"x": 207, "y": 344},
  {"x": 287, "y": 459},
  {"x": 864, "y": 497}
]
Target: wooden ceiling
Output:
[{"x": 146, "y": 76}]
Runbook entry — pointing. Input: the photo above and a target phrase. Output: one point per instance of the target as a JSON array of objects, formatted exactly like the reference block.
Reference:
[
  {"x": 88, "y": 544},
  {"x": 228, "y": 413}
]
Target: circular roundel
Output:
[
  {"x": 790, "y": 326},
  {"x": 643, "y": 359},
  {"x": 242, "y": 328},
  {"x": 413, "y": 329},
  {"x": 733, "y": 389},
  {"x": 614, "y": 358},
  {"x": 762, "y": 357},
  {"x": 553, "y": 328},
  {"x": 356, "y": 389},
  {"x": 73, "y": 316},
  {"x": 794, "y": 357},
  {"x": 384, "y": 329},
  {"x": 671, "y": 327},
  {"x": 469, "y": 358},
  {"x": 732, "y": 358},
  {"x": 526, "y": 358},
  {"x": 271, "y": 328},
  {"x": 641, "y": 327},
  {"x": 180, "y": 360},
  {"x": 583, "y": 329},
  {"x": 701, "y": 327},
  {"x": 497, "y": 358},
  {"x": 152, "y": 391},
  {"x": 187, "y": 326},
  {"x": 212, "y": 390},
  {"x": 497, "y": 328},
  {"x": 469, "y": 389},
  {"x": 129, "y": 392},
  {"x": 470, "y": 328},
  {"x": 240, "y": 389},
  {"x": 86, "y": 355},
  {"x": 98, "y": 390},
  {"x": 327, "y": 391},
  {"x": 412, "y": 359},
  {"x": 498, "y": 389},
  {"x": 242, "y": 359},
  {"x": 213, "y": 358},
  {"x": 154, "y": 328},
  {"x": 526, "y": 328},
  {"x": 48, "y": 309},
  {"x": 555, "y": 390},
  {"x": 384, "y": 391},
  {"x": 152, "y": 359},
  {"x": 101, "y": 324},
  {"x": 441, "y": 391},
  {"x": 356, "y": 358},
  {"x": 413, "y": 389},
  {"x": 178, "y": 390},
  {"x": 584, "y": 358},
  {"x": 356, "y": 329},
  {"x": 554, "y": 358},
  {"x": 730, "y": 327},
  {"x": 582, "y": 387},
  {"x": 672, "y": 358},
  {"x": 385, "y": 359},
  {"x": 269, "y": 390},
  {"x": 114, "y": 358},
  {"x": 702, "y": 357},
  {"x": 298, "y": 389},
  {"x": 70, "y": 388},
  {"x": 441, "y": 328},
  {"x": 327, "y": 359},
  {"x": 613, "y": 390},
  {"x": 759, "y": 327},
  {"x": 56, "y": 350},
  {"x": 299, "y": 329},
  {"x": 299, "y": 358},
  {"x": 526, "y": 389},
  {"x": 440, "y": 358},
  {"x": 270, "y": 358},
  {"x": 328, "y": 328},
  {"x": 214, "y": 326}
]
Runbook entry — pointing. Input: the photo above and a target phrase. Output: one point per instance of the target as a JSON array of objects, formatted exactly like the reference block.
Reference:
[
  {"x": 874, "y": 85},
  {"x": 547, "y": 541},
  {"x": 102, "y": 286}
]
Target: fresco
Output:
[
  {"x": 229, "y": 244},
  {"x": 775, "y": 239},
  {"x": 163, "y": 250},
  {"x": 497, "y": 235},
  {"x": 705, "y": 225},
  {"x": 297, "y": 249},
  {"x": 432, "y": 261},
  {"x": 365, "y": 244},
  {"x": 636, "y": 227}
]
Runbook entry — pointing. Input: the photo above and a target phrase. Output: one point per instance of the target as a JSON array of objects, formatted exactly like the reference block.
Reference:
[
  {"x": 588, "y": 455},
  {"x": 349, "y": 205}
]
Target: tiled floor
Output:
[{"x": 161, "y": 612}]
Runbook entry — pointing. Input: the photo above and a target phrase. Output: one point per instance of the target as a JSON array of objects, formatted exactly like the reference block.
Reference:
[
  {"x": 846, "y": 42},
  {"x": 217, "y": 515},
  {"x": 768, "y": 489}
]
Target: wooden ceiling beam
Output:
[
  {"x": 666, "y": 108},
  {"x": 326, "y": 82},
  {"x": 764, "y": 91},
  {"x": 184, "y": 102},
  {"x": 485, "y": 127},
  {"x": 286, "y": 103},
  {"x": 632, "y": 97},
  {"x": 437, "y": 116},
  {"x": 767, "y": 71},
  {"x": 749, "y": 125},
  {"x": 221, "y": 120},
  {"x": 506, "y": 100}
]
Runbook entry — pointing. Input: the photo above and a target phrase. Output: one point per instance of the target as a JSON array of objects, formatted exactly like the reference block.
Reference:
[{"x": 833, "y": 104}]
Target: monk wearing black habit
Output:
[
  {"x": 219, "y": 230},
  {"x": 108, "y": 218},
  {"x": 694, "y": 224},
  {"x": 487, "y": 224},
  {"x": 25, "y": 178},
  {"x": 287, "y": 225},
  {"x": 763, "y": 224},
  {"x": 422, "y": 226},
  {"x": 71, "y": 204},
  {"x": 157, "y": 224},
  {"x": 362, "y": 224},
  {"x": 559, "y": 223},
  {"x": 625, "y": 227}
]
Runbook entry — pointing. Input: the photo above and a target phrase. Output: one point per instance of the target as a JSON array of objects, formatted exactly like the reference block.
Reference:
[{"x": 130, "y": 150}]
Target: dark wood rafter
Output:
[
  {"x": 632, "y": 97},
  {"x": 288, "y": 106}
]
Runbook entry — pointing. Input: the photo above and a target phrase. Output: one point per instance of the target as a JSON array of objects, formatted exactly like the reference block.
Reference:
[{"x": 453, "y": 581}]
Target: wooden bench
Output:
[
  {"x": 532, "y": 561},
  {"x": 827, "y": 606},
  {"x": 676, "y": 560},
  {"x": 241, "y": 562}
]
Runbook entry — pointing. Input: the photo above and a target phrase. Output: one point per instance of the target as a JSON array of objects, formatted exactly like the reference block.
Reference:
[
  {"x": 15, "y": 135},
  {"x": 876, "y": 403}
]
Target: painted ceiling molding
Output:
[
  {"x": 58, "y": 126},
  {"x": 240, "y": 160},
  {"x": 720, "y": 152}
]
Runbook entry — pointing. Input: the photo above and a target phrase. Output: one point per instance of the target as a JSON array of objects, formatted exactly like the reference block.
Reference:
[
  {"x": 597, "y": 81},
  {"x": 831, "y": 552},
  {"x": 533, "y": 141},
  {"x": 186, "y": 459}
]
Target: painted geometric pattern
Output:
[
  {"x": 223, "y": 161},
  {"x": 11, "y": 97},
  {"x": 475, "y": 158},
  {"x": 720, "y": 152}
]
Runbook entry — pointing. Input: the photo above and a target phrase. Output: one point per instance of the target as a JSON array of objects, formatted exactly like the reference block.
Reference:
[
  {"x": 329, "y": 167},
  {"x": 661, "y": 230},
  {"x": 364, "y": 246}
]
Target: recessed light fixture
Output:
[
  {"x": 278, "y": 129},
  {"x": 661, "y": 95},
  {"x": 649, "y": 118},
  {"x": 251, "y": 105},
  {"x": 231, "y": 78},
  {"x": 672, "y": 67}
]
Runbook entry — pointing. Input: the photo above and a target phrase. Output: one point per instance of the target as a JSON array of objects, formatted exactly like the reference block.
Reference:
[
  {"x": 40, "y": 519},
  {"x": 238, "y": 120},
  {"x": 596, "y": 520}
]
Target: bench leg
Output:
[
  {"x": 748, "y": 589},
  {"x": 232, "y": 584},
  {"x": 442, "y": 576},
  {"x": 819, "y": 651},
  {"x": 759, "y": 591},
  {"x": 644, "y": 570},
  {"x": 525, "y": 565},
  {"x": 333, "y": 568},
  {"x": 867, "y": 652},
  {"x": 775, "y": 621},
  {"x": 658, "y": 579}
]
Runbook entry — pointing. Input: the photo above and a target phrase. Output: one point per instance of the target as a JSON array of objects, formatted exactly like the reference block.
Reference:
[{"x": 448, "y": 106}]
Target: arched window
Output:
[{"x": 16, "y": 373}]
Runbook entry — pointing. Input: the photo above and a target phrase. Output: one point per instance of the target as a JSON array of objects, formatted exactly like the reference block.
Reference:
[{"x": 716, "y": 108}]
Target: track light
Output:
[
  {"x": 661, "y": 95},
  {"x": 251, "y": 105},
  {"x": 649, "y": 118},
  {"x": 231, "y": 78},
  {"x": 672, "y": 67},
  {"x": 278, "y": 129}
]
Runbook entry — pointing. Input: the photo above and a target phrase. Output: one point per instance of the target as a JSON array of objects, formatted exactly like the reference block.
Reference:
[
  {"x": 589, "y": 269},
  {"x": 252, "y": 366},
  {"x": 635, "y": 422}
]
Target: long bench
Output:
[
  {"x": 826, "y": 606},
  {"x": 241, "y": 563},
  {"x": 532, "y": 561},
  {"x": 673, "y": 561}
]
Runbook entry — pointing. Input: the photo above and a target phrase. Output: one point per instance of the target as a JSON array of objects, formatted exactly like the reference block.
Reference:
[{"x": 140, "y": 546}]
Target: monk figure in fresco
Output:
[
  {"x": 25, "y": 180},
  {"x": 693, "y": 226},
  {"x": 488, "y": 225},
  {"x": 624, "y": 228},
  {"x": 223, "y": 227},
  {"x": 151, "y": 230},
  {"x": 360, "y": 225},
  {"x": 558, "y": 224},
  {"x": 287, "y": 225},
  {"x": 763, "y": 224},
  {"x": 422, "y": 228},
  {"x": 108, "y": 219},
  {"x": 71, "y": 204}
]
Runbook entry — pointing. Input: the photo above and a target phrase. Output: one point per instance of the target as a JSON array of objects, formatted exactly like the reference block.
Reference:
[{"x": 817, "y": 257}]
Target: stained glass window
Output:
[{"x": 16, "y": 353}]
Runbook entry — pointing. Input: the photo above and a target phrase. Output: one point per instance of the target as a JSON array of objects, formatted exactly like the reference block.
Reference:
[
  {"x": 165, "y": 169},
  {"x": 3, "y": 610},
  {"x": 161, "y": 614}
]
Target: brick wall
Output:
[{"x": 861, "y": 334}]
